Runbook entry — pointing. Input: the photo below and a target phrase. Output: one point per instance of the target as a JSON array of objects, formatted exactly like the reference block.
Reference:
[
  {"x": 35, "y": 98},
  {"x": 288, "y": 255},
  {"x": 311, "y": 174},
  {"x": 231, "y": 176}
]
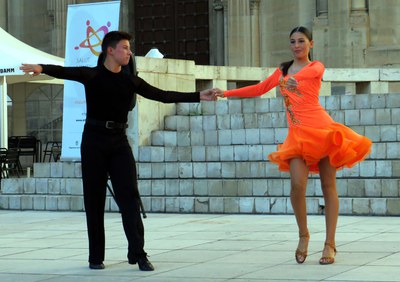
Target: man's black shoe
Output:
[
  {"x": 96, "y": 266},
  {"x": 145, "y": 264}
]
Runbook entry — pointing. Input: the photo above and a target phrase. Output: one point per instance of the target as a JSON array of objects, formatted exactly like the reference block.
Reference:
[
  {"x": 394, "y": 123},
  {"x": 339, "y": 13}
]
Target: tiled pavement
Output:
[{"x": 52, "y": 246}]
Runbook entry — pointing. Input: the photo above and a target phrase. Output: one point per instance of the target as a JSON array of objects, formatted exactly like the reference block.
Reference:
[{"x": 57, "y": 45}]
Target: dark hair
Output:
[
  {"x": 285, "y": 65},
  {"x": 112, "y": 38}
]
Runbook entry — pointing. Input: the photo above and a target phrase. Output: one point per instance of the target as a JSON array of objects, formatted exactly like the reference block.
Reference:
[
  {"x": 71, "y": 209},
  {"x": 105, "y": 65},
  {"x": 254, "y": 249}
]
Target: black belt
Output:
[{"x": 109, "y": 124}]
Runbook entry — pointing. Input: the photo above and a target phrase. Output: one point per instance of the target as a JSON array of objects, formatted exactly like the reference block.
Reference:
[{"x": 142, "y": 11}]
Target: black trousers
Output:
[{"x": 104, "y": 153}]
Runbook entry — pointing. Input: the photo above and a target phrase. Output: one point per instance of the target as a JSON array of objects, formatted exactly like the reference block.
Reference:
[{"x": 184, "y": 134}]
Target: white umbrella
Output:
[{"x": 13, "y": 53}]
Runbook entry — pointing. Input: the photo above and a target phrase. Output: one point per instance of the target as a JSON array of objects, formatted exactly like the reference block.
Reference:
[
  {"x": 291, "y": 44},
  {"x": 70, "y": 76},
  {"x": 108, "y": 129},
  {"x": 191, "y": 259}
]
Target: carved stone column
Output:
[
  {"x": 219, "y": 44},
  {"x": 239, "y": 41},
  {"x": 57, "y": 12},
  {"x": 255, "y": 32}
]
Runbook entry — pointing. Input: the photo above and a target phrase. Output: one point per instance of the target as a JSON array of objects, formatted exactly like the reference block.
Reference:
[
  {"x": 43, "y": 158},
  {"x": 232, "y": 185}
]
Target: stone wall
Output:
[
  {"x": 212, "y": 158},
  {"x": 346, "y": 33}
]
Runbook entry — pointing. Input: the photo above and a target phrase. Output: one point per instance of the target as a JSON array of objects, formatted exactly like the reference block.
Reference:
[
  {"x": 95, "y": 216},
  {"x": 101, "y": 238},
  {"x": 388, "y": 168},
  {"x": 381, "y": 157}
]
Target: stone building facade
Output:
[{"x": 347, "y": 33}]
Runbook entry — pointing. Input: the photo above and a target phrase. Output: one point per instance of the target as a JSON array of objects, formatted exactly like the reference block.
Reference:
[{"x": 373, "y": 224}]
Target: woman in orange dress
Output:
[{"x": 315, "y": 142}]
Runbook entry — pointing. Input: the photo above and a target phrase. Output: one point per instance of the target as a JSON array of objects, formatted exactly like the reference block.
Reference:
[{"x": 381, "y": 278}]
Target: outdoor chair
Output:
[
  {"x": 52, "y": 150},
  {"x": 27, "y": 145},
  {"x": 10, "y": 163}
]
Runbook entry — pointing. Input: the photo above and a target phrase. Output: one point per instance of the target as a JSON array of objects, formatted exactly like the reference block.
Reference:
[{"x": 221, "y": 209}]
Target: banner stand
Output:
[{"x": 87, "y": 24}]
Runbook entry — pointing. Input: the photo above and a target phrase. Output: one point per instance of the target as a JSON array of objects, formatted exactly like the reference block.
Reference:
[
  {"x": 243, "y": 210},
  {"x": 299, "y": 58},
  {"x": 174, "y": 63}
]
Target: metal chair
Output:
[
  {"x": 10, "y": 163},
  {"x": 3, "y": 152},
  {"x": 27, "y": 145},
  {"x": 52, "y": 150}
]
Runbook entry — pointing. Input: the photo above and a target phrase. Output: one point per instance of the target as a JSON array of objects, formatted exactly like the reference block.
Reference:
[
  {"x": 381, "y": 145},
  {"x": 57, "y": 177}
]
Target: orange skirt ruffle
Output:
[{"x": 342, "y": 145}]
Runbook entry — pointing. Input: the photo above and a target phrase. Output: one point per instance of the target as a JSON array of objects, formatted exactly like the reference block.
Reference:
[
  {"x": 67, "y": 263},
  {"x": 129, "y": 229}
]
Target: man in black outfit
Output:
[{"x": 105, "y": 150}]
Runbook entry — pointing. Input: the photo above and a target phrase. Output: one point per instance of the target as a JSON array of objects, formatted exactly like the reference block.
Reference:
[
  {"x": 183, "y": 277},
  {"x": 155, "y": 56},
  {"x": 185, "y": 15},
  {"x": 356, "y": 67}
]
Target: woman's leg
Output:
[
  {"x": 328, "y": 184},
  {"x": 299, "y": 176}
]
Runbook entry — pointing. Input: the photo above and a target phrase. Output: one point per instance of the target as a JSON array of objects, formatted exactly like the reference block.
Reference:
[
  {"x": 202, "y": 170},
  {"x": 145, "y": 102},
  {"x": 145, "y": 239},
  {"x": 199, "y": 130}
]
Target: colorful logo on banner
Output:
[
  {"x": 94, "y": 38},
  {"x": 87, "y": 24}
]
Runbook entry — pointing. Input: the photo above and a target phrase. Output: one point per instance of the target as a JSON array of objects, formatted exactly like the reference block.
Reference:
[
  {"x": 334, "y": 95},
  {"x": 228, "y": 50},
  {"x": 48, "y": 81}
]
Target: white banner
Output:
[
  {"x": 86, "y": 26},
  {"x": 3, "y": 113}
]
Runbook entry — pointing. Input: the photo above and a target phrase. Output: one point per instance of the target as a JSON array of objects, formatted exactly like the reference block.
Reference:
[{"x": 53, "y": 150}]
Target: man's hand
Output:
[{"x": 34, "y": 70}]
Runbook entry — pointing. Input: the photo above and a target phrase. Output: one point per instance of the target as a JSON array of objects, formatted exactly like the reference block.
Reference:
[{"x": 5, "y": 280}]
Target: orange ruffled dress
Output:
[{"x": 313, "y": 134}]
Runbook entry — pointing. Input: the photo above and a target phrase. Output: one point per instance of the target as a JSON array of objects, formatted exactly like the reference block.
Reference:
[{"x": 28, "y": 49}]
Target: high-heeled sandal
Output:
[
  {"x": 301, "y": 256},
  {"x": 328, "y": 260}
]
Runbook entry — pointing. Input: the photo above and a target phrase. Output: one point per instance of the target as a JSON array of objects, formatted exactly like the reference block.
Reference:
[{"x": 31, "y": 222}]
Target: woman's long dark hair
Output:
[{"x": 285, "y": 65}]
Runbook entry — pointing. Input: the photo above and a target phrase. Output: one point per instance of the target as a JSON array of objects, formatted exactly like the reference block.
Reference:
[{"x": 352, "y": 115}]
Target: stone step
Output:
[
  {"x": 48, "y": 202},
  {"x": 219, "y": 137},
  {"x": 252, "y": 136},
  {"x": 265, "y": 105},
  {"x": 63, "y": 175},
  {"x": 268, "y": 205},
  {"x": 205, "y": 153},
  {"x": 250, "y": 187},
  {"x": 348, "y": 188},
  {"x": 277, "y": 119},
  {"x": 211, "y": 153},
  {"x": 258, "y": 169},
  {"x": 207, "y": 204},
  {"x": 359, "y": 196},
  {"x": 227, "y": 121}
]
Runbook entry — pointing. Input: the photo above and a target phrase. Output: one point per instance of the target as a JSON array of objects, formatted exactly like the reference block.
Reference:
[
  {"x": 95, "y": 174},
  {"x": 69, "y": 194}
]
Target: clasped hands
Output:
[{"x": 211, "y": 94}]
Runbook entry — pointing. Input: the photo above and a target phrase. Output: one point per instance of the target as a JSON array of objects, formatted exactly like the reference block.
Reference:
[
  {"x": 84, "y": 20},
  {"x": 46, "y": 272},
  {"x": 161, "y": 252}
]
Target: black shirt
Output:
[{"x": 109, "y": 94}]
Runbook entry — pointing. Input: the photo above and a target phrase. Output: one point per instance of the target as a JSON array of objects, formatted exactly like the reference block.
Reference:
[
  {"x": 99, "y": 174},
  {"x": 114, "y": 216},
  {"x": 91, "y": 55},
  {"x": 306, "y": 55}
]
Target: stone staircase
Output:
[{"x": 212, "y": 158}]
